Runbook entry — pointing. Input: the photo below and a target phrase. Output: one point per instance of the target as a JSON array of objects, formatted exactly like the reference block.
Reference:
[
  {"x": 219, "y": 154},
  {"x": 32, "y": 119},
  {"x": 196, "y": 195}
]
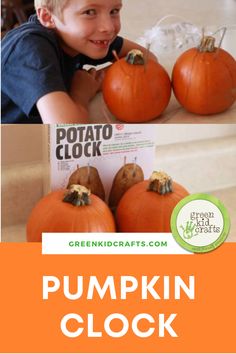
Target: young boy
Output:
[{"x": 42, "y": 60}]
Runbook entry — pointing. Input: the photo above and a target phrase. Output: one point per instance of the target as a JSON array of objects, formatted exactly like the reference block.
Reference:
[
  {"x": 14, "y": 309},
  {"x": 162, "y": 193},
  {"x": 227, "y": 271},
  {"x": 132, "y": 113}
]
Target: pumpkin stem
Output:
[
  {"x": 115, "y": 55},
  {"x": 160, "y": 183},
  {"x": 135, "y": 57},
  {"x": 207, "y": 44},
  {"x": 77, "y": 195}
]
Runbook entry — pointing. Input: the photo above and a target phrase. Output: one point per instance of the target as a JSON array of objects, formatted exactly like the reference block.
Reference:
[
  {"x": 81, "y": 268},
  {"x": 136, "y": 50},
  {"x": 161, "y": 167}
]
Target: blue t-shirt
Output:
[{"x": 33, "y": 65}]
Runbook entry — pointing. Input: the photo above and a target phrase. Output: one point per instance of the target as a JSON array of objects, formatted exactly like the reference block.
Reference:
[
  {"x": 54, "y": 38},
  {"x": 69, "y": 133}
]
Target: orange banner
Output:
[{"x": 139, "y": 304}]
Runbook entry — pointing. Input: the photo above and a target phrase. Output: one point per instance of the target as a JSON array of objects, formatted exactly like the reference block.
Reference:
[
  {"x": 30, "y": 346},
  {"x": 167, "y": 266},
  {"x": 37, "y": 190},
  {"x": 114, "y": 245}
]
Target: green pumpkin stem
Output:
[
  {"x": 160, "y": 183},
  {"x": 77, "y": 195},
  {"x": 135, "y": 57},
  {"x": 207, "y": 44}
]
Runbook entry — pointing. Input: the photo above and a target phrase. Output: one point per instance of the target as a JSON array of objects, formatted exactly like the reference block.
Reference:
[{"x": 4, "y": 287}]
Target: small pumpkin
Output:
[
  {"x": 204, "y": 79},
  {"x": 148, "y": 205},
  {"x": 136, "y": 90},
  {"x": 74, "y": 210},
  {"x": 88, "y": 177}
]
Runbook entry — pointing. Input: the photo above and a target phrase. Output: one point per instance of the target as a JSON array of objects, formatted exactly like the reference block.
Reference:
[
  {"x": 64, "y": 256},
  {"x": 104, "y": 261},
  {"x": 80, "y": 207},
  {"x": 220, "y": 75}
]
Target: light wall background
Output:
[
  {"x": 22, "y": 144},
  {"x": 139, "y": 15}
]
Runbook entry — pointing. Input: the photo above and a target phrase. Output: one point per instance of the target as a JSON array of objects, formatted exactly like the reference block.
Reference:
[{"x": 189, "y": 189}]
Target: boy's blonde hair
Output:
[{"x": 54, "y": 6}]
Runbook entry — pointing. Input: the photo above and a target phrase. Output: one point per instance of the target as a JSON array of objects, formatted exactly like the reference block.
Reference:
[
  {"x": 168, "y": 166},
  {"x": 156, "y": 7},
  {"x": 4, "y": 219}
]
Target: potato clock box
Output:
[{"x": 105, "y": 147}]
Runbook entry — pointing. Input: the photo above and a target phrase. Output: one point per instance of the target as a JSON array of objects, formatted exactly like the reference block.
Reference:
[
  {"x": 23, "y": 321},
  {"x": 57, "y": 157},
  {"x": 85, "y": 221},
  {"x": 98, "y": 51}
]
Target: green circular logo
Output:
[{"x": 200, "y": 223}]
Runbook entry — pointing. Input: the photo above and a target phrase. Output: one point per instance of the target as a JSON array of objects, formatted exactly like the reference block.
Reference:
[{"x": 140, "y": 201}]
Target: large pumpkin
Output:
[
  {"x": 73, "y": 211},
  {"x": 204, "y": 79},
  {"x": 136, "y": 91},
  {"x": 148, "y": 205}
]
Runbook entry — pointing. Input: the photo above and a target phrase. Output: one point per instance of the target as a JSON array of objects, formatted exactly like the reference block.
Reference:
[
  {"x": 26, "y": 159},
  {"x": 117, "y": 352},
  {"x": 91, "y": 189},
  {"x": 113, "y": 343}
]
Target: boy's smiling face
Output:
[{"x": 88, "y": 26}]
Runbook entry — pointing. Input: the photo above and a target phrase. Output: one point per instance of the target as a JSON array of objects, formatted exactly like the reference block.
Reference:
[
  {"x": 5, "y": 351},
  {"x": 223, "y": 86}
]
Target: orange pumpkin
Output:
[
  {"x": 204, "y": 79},
  {"x": 135, "y": 91},
  {"x": 74, "y": 211},
  {"x": 148, "y": 205}
]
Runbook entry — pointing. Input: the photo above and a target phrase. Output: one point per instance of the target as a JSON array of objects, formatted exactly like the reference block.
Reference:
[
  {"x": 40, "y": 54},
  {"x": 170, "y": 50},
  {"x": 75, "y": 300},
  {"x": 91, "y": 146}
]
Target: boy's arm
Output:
[
  {"x": 58, "y": 107},
  {"x": 61, "y": 107},
  {"x": 129, "y": 45}
]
